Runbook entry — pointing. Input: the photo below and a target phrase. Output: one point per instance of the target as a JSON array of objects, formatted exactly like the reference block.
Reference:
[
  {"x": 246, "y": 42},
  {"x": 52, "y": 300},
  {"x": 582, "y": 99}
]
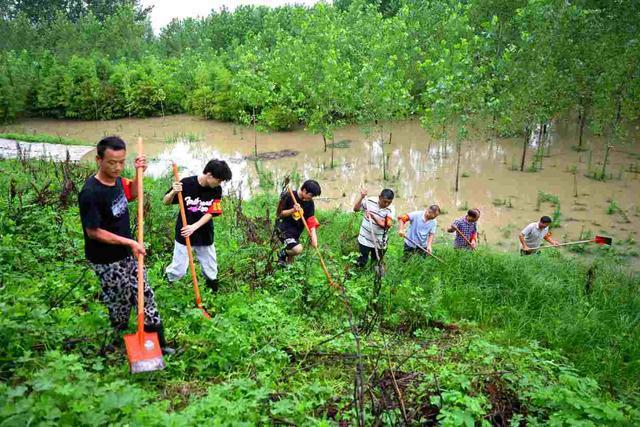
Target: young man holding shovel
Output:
[
  {"x": 466, "y": 230},
  {"x": 289, "y": 222},
  {"x": 202, "y": 198},
  {"x": 378, "y": 219},
  {"x": 108, "y": 244},
  {"x": 532, "y": 235},
  {"x": 422, "y": 230}
]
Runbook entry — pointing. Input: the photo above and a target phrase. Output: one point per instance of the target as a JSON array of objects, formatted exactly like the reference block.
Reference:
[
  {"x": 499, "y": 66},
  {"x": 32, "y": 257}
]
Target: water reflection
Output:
[
  {"x": 420, "y": 169},
  {"x": 191, "y": 159}
]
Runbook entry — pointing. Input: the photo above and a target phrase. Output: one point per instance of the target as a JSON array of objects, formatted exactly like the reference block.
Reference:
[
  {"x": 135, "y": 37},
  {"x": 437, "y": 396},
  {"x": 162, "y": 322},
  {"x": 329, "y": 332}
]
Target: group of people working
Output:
[{"x": 111, "y": 249}]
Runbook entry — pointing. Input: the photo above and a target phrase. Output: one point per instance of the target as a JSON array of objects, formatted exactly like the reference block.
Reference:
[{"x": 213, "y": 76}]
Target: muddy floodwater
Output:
[{"x": 420, "y": 169}]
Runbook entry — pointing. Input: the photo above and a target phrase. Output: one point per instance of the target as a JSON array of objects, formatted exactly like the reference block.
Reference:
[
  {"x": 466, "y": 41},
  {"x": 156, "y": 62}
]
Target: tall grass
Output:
[
  {"x": 270, "y": 349},
  {"x": 543, "y": 297}
]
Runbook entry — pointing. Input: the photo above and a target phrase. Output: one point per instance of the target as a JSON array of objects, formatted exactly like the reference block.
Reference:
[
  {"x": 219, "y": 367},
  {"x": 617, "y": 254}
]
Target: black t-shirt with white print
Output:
[
  {"x": 289, "y": 226},
  {"x": 198, "y": 201},
  {"x": 105, "y": 206}
]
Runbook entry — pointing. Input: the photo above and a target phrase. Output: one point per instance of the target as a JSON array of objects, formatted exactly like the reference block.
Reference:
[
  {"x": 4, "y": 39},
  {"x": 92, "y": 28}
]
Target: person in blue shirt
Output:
[{"x": 422, "y": 229}]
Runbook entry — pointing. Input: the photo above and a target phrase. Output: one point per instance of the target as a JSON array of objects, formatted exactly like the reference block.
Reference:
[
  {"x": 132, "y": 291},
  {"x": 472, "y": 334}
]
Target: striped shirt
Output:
[
  {"x": 376, "y": 212},
  {"x": 533, "y": 235}
]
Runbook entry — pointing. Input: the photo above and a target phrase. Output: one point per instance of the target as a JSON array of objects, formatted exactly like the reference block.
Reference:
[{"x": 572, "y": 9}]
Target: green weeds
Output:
[{"x": 485, "y": 337}]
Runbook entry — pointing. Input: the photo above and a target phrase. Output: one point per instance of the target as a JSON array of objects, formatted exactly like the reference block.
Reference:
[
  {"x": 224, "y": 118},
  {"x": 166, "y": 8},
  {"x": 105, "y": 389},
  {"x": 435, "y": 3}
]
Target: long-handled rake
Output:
[
  {"x": 417, "y": 245},
  {"x": 463, "y": 236},
  {"x": 192, "y": 267},
  {"x": 600, "y": 240},
  {"x": 306, "y": 226},
  {"x": 143, "y": 348}
]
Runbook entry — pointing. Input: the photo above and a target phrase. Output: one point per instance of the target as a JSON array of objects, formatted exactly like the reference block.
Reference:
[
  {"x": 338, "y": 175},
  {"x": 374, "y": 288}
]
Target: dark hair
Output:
[
  {"x": 218, "y": 169},
  {"x": 474, "y": 213},
  {"x": 434, "y": 208},
  {"x": 113, "y": 142},
  {"x": 311, "y": 186},
  {"x": 387, "y": 194},
  {"x": 546, "y": 220}
]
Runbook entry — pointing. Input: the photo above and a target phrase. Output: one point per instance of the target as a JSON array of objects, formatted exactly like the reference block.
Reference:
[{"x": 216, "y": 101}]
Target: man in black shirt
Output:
[
  {"x": 202, "y": 199},
  {"x": 108, "y": 244},
  {"x": 289, "y": 221}
]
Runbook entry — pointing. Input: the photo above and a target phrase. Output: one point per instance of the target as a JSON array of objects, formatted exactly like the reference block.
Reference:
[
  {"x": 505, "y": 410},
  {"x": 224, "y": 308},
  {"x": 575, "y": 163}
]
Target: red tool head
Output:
[
  {"x": 603, "y": 240},
  {"x": 144, "y": 352}
]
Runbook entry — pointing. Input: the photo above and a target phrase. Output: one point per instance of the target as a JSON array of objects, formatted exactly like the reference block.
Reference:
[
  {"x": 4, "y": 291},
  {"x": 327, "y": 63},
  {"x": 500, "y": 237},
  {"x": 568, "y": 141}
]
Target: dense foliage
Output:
[
  {"x": 486, "y": 338},
  {"x": 512, "y": 64}
]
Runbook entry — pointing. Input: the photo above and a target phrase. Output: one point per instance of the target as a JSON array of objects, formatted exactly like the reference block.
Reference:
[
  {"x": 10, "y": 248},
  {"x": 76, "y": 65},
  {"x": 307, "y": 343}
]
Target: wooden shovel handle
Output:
[
  {"x": 306, "y": 226},
  {"x": 183, "y": 216},
  {"x": 455, "y": 227},
  {"x": 423, "y": 249},
  {"x": 304, "y": 221},
  {"x": 579, "y": 242},
  {"x": 140, "y": 176}
]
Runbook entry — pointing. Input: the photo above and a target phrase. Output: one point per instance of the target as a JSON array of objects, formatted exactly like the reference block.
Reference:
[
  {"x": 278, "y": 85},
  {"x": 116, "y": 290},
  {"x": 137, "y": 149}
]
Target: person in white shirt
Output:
[
  {"x": 532, "y": 235},
  {"x": 378, "y": 219}
]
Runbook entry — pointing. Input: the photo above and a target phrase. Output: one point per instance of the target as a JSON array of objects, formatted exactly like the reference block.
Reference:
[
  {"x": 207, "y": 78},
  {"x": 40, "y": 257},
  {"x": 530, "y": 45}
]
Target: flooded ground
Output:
[
  {"x": 420, "y": 169},
  {"x": 10, "y": 148}
]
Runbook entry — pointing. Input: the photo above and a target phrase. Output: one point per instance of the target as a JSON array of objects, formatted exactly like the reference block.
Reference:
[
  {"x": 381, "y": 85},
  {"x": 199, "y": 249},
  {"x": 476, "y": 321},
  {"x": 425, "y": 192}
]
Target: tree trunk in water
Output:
[
  {"x": 604, "y": 162},
  {"x": 444, "y": 138},
  {"x": 583, "y": 119},
  {"x": 384, "y": 163},
  {"x": 524, "y": 148},
  {"x": 459, "y": 146},
  {"x": 325, "y": 143},
  {"x": 618, "y": 109},
  {"x": 255, "y": 134},
  {"x": 540, "y": 146},
  {"x": 579, "y": 117},
  {"x": 493, "y": 124},
  {"x": 390, "y": 135},
  {"x": 333, "y": 145}
]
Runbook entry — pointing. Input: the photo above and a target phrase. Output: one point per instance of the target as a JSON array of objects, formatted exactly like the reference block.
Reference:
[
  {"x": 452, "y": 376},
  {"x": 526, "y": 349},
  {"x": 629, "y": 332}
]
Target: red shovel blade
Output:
[
  {"x": 144, "y": 352},
  {"x": 603, "y": 240}
]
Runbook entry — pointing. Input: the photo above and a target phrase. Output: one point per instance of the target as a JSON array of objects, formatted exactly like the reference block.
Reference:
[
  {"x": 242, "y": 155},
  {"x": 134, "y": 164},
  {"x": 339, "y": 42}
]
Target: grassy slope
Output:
[{"x": 529, "y": 334}]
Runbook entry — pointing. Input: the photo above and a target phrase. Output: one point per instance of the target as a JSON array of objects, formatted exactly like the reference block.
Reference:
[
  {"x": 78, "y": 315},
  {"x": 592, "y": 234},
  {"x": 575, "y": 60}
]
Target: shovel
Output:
[
  {"x": 192, "y": 267},
  {"x": 143, "y": 348},
  {"x": 423, "y": 249},
  {"x": 600, "y": 240}
]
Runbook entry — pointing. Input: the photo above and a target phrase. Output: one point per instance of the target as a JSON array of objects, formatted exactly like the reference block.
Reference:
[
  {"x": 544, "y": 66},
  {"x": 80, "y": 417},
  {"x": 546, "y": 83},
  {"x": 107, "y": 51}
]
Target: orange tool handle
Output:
[
  {"x": 304, "y": 221},
  {"x": 183, "y": 215},
  {"x": 140, "y": 176}
]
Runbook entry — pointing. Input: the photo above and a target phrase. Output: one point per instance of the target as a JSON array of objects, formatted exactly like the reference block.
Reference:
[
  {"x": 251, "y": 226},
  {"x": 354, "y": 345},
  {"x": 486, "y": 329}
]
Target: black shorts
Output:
[
  {"x": 525, "y": 253},
  {"x": 290, "y": 238}
]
